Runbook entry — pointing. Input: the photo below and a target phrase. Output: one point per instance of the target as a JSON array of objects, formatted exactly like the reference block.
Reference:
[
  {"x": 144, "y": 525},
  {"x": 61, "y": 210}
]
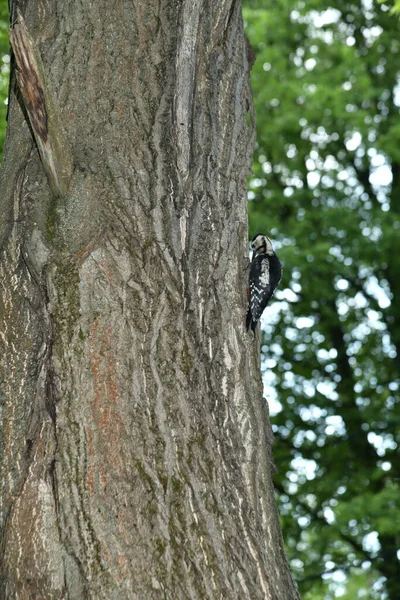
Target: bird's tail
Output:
[{"x": 250, "y": 321}]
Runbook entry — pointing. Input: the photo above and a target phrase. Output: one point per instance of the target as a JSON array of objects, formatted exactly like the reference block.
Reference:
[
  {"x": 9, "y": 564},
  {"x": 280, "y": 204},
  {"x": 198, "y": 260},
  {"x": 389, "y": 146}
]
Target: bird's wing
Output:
[{"x": 261, "y": 288}]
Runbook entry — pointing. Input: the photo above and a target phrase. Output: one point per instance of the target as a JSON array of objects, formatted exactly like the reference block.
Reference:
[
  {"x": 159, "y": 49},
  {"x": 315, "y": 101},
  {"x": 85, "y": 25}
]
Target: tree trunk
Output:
[{"x": 135, "y": 447}]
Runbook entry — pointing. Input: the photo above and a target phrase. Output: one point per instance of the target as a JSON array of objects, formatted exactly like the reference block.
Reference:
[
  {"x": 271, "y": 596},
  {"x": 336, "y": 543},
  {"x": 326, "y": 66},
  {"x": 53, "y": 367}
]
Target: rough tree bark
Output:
[{"x": 135, "y": 448}]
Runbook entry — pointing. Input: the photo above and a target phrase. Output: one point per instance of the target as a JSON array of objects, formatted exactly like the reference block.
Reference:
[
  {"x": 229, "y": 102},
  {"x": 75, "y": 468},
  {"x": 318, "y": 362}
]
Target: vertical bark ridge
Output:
[{"x": 27, "y": 504}]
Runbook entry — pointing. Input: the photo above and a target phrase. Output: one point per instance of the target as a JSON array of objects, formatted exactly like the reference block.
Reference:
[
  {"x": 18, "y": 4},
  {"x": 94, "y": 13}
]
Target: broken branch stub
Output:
[{"x": 54, "y": 152}]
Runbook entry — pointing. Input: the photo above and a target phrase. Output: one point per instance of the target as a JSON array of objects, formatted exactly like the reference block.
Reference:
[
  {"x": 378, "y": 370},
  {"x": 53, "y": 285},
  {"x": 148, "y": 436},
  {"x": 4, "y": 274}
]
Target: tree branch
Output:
[{"x": 54, "y": 153}]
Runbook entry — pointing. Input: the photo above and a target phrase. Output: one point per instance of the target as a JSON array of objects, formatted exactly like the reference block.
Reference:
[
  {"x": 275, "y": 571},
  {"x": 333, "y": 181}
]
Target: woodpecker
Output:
[{"x": 265, "y": 274}]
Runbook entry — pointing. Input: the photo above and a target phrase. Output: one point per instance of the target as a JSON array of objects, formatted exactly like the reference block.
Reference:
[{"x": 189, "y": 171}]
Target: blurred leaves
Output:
[{"x": 325, "y": 185}]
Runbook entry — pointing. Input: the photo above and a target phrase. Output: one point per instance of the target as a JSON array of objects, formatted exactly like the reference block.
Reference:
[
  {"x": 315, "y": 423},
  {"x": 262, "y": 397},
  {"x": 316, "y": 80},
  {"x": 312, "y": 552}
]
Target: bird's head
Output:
[{"x": 261, "y": 244}]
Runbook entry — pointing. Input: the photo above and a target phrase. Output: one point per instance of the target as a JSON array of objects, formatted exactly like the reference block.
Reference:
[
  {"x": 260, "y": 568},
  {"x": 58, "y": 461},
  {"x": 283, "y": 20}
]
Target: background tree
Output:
[
  {"x": 134, "y": 447},
  {"x": 326, "y": 183}
]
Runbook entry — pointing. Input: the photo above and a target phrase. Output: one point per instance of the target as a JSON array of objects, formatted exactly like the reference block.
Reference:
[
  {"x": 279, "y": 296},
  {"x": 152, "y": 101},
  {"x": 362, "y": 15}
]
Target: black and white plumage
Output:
[{"x": 265, "y": 275}]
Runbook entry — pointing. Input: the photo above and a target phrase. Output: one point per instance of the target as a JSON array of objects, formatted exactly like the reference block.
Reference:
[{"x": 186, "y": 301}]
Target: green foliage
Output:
[
  {"x": 325, "y": 184},
  {"x": 4, "y": 69},
  {"x": 395, "y": 7}
]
